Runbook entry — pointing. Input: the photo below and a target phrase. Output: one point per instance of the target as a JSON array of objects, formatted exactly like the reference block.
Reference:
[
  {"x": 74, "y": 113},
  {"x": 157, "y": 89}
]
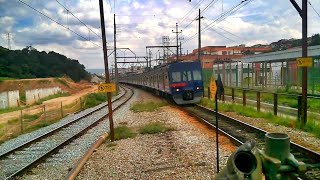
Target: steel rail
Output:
[
  {"x": 299, "y": 151},
  {"x": 62, "y": 144},
  {"x": 2, "y": 155}
]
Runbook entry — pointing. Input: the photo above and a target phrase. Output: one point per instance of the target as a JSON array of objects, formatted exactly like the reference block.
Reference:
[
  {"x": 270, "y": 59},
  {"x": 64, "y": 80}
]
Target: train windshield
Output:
[
  {"x": 186, "y": 76},
  {"x": 197, "y": 75},
  {"x": 176, "y": 76}
]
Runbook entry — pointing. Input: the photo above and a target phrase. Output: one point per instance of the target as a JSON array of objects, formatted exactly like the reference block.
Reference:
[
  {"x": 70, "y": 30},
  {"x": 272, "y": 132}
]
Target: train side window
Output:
[
  {"x": 186, "y": 76},
  {"x": 176, "y": 77},
  {"x": 196, "y": 75}
]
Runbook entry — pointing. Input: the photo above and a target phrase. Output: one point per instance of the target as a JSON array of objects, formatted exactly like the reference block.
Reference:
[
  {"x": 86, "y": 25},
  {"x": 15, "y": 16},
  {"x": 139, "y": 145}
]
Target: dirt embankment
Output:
[
  {"x": 76, "y": 90},
  {"x": 22, "y": 85}
]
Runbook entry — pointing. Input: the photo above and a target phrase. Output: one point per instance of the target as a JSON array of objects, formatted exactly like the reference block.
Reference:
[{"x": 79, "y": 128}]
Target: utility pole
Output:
[
  {"x": 150, "y": 54},
  {"x": 199, "y": 37},
  {"x": 106, "y": 68},
  {"x": 115, "y": 53},
  {"x": 180, "y": 49},
  {"x": 177, "y": 37},
  {"x": 8, "y": 37},
  {"x": 147, "y": 58},
  {"x": 304, "y": 15}
]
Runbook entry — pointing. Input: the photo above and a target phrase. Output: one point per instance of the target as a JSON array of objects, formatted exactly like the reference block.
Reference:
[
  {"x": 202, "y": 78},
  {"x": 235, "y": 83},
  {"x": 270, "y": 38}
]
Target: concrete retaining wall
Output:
[
  {"x": 34, "y": 95},
  {"x": 9, "y": 99}
]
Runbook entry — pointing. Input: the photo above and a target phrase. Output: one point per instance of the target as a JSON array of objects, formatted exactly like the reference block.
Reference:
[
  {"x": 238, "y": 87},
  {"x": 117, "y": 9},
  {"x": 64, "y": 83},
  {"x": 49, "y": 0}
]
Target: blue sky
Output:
[{"x": 143, "y": 22}]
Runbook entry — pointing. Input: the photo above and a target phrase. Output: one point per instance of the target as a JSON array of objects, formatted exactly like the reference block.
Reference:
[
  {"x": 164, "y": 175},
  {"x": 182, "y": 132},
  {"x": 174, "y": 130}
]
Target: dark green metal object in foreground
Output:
[{"x": 275, "y": 161}]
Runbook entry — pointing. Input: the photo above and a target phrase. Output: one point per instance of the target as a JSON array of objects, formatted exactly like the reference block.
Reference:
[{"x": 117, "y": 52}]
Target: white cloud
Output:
[
  {"x": 6, "y": 23},
  {"x": 145, "y": 22}
]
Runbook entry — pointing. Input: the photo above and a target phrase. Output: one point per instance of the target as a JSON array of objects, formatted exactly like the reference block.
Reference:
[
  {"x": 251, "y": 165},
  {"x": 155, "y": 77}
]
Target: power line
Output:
[
  {"x": 59, "y": 23},
  {"x": 78, "y": 19},
  {"x": 231, "y": 33},
  {"x": 222, "y": 17},
  {"x": 189, "y": 12},
  {"x": 208, "y": 6},
  {"x": 313, "y": 8},
  {"x": 203, "y": 11},
  {"x": 136, "y": 15}
]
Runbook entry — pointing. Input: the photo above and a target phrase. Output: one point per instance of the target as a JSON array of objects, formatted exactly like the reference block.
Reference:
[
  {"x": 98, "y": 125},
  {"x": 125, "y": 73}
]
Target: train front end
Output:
[{"x": 185, "y": 81}]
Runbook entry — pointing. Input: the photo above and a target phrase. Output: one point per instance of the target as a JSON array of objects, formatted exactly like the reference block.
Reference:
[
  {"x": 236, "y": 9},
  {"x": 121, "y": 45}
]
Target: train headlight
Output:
[
  {"x": 177, "y": 89},
  {"x": 198, "y": 88}
]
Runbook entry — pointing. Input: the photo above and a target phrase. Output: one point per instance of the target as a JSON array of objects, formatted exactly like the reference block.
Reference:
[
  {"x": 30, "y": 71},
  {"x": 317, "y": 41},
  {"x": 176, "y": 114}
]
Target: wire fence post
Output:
[
  {"x": 275, "y": 103},
  {"x": 44, "y": 112},
  {"x": 232, "y": 94},
  {"x": 299, "y": 107},
  {"x": 258, "y": 101},
  {"x": 244, "y": 98},
  {"x": 21, "y": 121},
  {"x": 61, "y": 109}
]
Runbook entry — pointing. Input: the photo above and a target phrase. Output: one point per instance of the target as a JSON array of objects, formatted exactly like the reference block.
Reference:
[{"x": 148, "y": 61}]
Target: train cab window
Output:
[
  {"x": 186, "y": 76},
  {"x": 176, "y": 77},
  {"x": 197, "y": 75}
]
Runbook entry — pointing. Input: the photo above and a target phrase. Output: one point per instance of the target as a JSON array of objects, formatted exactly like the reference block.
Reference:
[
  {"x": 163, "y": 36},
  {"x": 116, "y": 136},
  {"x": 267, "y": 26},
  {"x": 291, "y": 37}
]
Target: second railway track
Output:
[
  {"x": 20, "y": 157},
  {"x": 241, "y": 132}
]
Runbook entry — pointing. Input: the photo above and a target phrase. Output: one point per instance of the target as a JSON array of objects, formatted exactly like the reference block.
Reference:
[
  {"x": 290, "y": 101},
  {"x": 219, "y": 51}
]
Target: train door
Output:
[{"x": 166, "y": 79}]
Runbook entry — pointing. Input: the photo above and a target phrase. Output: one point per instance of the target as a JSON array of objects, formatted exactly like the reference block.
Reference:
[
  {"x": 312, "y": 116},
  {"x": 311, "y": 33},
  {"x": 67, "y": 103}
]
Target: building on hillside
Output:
[{"x": 217, "y": 54}]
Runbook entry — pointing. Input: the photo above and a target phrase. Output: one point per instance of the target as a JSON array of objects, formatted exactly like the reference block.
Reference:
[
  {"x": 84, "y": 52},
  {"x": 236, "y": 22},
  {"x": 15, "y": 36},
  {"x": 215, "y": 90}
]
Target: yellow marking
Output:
[
  {"x": 304, "y": 62},
  {"x": 110, "y": 87},
  {"x": 213, "y": 88}
]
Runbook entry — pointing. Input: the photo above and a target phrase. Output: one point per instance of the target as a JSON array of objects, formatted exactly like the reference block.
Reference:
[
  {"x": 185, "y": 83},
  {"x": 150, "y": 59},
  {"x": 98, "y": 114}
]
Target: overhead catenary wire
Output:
[
  {"x": 203, "y": 11},
  {"x": 60, "y": 24},
  {"x": 208, "y": 6},
  {"x": 79, "y": 20},
  {"x": 221, "y": 18},
  {"x": 190, "y": 11},
  {"x": 313, "y": 8}
]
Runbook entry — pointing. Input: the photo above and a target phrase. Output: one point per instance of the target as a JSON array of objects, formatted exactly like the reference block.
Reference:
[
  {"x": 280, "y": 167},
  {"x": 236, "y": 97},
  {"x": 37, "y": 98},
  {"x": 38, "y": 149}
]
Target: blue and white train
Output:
[{"x": 182, "y": 81}]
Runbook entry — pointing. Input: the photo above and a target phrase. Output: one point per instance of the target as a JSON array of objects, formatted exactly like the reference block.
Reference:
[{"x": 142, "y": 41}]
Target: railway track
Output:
[
  {"x": 241, "y": 132},
  {"x": 37, "y": 149}
]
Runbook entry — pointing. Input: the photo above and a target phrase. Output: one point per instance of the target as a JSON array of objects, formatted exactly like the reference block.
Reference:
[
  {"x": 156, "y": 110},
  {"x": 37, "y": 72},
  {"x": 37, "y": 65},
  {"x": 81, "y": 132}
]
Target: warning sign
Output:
[
  {"x": 304, "y": 62},
  {"x": 213, "y": 88},
  {"x": 107, "y": 87}
]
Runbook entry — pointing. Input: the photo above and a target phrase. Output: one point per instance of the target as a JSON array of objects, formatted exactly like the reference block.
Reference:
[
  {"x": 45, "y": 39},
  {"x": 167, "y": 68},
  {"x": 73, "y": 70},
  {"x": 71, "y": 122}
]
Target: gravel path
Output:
[{"x": 188, "y": 152}]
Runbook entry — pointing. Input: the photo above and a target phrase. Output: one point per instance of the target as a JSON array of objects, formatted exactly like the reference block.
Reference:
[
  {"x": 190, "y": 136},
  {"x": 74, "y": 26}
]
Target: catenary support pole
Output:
[
  {"x": 177, "y": 38},
  {"x": 105, "y": 57},
  {"x": 304, "y": 15},
  {"x": 115, "y": 53}
]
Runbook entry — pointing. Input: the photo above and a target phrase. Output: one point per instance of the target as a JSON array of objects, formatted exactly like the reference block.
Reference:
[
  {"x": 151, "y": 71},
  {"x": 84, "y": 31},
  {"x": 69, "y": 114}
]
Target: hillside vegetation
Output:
[{"x": 30, "y": 63}]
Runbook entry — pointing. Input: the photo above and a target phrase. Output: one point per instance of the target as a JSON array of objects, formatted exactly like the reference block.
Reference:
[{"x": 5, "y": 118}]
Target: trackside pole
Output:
[
  {"x": 105, "y": 58},
  {"x": 213, "y": 95},
  {"x": 217, "y": 132}
]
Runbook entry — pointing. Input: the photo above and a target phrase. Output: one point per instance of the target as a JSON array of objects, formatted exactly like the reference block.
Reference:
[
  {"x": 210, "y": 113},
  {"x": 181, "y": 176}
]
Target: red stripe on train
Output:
[{"x": 178, "y": 85}]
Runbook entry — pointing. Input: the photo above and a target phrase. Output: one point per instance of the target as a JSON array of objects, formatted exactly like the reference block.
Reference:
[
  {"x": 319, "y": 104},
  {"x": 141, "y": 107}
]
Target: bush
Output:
[
  {"x": 123, "y": 132},
  {"x": 94, "y": 99}
]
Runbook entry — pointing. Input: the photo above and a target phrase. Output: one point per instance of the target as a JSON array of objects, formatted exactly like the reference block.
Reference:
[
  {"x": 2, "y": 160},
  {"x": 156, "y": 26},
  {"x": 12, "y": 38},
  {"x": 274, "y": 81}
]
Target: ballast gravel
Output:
[{"x": 187, "y": 152}]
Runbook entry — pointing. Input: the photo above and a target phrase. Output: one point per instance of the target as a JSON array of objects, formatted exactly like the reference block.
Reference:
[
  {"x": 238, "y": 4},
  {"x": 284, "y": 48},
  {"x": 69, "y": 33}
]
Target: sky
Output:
[{"x": 72, "y": 27}]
